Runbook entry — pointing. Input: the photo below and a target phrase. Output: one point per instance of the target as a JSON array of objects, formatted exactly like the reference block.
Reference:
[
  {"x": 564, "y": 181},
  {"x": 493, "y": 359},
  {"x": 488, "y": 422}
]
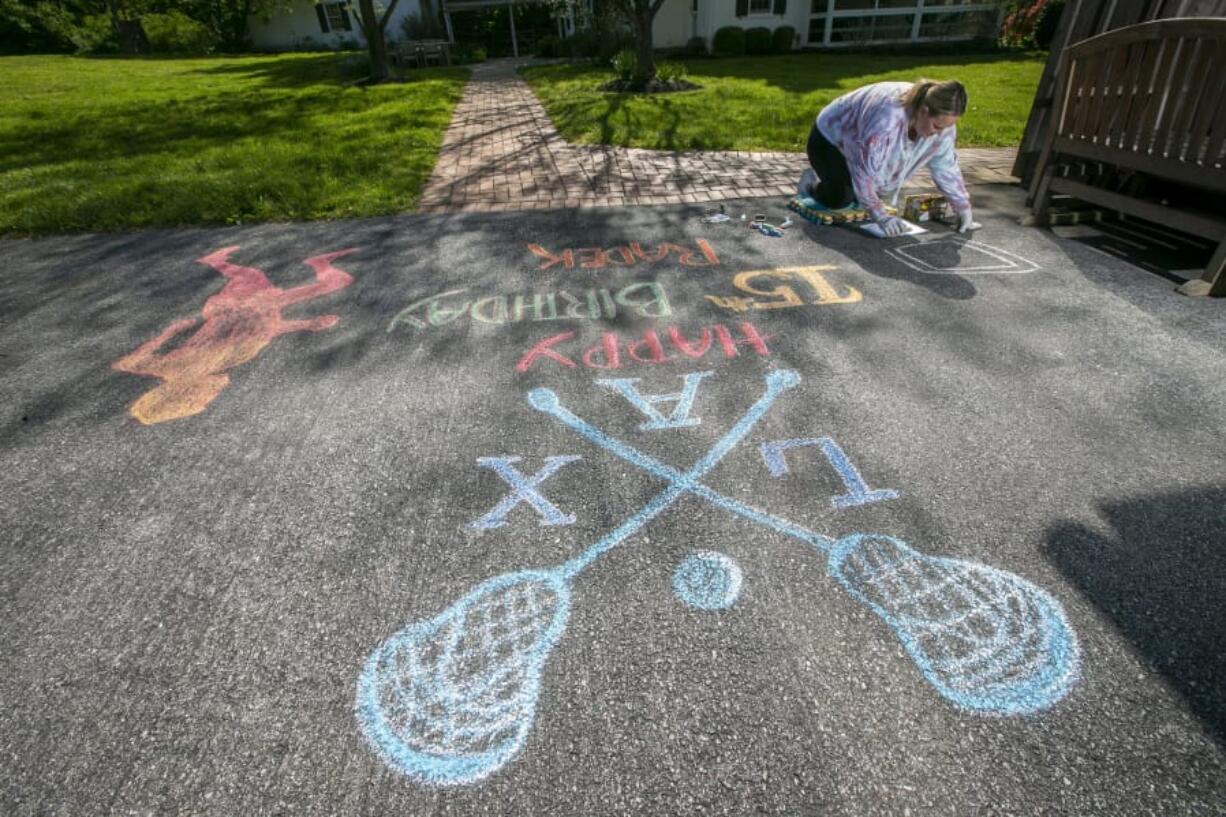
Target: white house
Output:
[
  {"x": 820, "y": 23},
  {"x": 307, "y": 24}
]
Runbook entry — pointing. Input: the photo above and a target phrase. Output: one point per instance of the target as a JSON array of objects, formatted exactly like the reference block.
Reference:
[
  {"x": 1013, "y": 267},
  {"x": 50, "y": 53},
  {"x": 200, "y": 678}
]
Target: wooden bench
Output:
[
  {"x": 421, "y": 52},
  {"x": 1140, "y": 106}
]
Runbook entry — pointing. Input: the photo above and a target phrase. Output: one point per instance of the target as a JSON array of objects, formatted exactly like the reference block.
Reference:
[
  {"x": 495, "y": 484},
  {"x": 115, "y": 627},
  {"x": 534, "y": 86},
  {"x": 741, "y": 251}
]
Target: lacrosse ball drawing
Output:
[{"x": 708, "y": 580}]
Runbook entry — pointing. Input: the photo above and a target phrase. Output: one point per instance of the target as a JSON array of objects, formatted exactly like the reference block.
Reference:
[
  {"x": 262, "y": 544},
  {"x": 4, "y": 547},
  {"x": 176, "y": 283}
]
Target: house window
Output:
[
  {"x": 333, "y": 17},
  {"x": 759, "y": 6}
]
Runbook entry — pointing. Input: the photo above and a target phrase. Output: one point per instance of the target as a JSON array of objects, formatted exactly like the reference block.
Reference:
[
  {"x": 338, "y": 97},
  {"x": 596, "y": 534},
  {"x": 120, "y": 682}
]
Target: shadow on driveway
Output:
[{"x": 1160, "y": 579}]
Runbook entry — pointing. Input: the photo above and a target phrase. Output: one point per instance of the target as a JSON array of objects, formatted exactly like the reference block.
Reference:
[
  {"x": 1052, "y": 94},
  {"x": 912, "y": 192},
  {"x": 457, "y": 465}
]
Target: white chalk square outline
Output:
[{"x": 1012, "y": 264}]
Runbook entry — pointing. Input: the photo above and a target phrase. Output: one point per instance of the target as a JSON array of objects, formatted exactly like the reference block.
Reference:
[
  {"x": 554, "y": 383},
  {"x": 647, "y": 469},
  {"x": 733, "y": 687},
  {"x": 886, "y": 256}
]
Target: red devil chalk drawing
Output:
[{"x": 238, "y": 323}]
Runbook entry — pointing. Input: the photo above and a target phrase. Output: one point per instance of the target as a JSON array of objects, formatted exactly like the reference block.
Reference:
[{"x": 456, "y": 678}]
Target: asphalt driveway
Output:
[{"x": 608, "y": 512}]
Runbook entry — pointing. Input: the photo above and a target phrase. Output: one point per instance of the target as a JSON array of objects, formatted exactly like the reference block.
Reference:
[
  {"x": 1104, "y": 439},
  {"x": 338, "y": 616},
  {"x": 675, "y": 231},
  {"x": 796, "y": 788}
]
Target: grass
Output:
[
  {"x": 92, "y": 144},
  {"x": 756, "y": 103}
]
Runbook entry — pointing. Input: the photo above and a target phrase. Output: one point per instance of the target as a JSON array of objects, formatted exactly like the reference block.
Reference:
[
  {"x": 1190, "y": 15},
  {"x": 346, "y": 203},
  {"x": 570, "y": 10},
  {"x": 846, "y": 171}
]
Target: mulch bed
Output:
[{"x": 655, "y": 86}]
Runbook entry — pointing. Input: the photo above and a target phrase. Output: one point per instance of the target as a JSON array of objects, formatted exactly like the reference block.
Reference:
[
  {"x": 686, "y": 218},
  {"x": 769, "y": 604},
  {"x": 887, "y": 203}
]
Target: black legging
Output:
[{"x": 834, "y": 186}]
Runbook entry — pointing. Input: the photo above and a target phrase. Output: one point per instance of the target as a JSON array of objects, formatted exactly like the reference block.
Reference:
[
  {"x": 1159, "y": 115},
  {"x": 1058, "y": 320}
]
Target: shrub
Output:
[
  {"x": 548, "y": 47},
  {"x": 1045, "y": 25},
  {"x": 782, "y": 39},
  {"x": 606, "y": 34},
  {"x": 669, "y": 71},
  {"x": 624, "y": 64},
  {"x": 95, "y": 35},
  {"x": 593, "y": 45},
  {"x": 758, "y": 41},
  {"x": 729, "y": 41},
  {"x": 176, "y": 33},
  {"x": 45, "y": 27},
  {"x": 696, "y": 47},
  {"x": 582, "y": 45},
  {"x": 467, "y": 53}
]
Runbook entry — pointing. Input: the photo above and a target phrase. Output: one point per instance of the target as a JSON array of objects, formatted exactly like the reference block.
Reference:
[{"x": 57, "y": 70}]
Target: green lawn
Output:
[
  {"x": 104, "y": 144},
  {"x": 769, "y": 103}
]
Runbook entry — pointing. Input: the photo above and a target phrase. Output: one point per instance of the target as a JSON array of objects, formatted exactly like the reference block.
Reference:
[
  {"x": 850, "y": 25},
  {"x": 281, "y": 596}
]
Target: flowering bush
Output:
[{"x": 1031, "y": 23}]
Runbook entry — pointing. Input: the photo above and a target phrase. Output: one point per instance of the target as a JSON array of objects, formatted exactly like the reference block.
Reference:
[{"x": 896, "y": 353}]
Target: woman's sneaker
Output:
[{"x": 807, "y": 180}]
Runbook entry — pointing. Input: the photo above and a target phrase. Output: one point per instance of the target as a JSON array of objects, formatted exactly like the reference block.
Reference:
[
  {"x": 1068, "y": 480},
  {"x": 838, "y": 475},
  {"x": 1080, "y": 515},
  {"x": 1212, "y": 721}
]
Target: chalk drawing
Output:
[
  {"x": 608, "y": 353},
  {"x": 644, "y": 300},
  {"x": 450, "y": 700},
  {"x": 708, "y": 580},
  {"x": 858, "y": 492},
  {"x": 987, "y": 640},
  {"x": 523, "y": 490},
  {"x": 591, "y": 258},
  {"x": 683, "y": 402},
  {"x": 953, "y": 256},
  {"x": 239, "y": 321},
  {"x": 784, "y": 296}
]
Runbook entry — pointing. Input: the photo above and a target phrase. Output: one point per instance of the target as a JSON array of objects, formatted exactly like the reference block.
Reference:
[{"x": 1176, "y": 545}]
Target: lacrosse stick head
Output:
[
  {"x": 988, "y": 640},
  {"x": 451, "y": 700}
]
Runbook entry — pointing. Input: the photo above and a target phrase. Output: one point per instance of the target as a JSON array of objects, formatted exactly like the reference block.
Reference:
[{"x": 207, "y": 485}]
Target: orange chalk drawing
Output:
[{"x": 238, "y": 323}]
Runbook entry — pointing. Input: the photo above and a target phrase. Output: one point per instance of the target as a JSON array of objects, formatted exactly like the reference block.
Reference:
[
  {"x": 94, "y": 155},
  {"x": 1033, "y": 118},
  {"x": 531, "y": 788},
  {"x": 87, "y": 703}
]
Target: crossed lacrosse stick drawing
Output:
[{"x": 450, "y": 700}]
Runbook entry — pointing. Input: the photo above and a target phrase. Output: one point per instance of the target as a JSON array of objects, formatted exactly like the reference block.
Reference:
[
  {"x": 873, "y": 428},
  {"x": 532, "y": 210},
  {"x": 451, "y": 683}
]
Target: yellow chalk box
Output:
[{"x": 922, "y": 207}]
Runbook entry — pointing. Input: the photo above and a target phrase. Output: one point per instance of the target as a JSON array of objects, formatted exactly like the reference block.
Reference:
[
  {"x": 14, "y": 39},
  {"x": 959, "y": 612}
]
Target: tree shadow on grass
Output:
[
  {"x": 145, "y": 127},
  {"x": 665, "y": 122},
  {"x": 212, "y": 160},
  {"x": 754, "y": 85},
  {"x": 293, "y": 71},
  {"x": 136, "y": 128},
  {"x": 304, "y": 72},
  {"x": 1160, "y": 579},
  {"x": 288, "y": 71},
  {"x": 812, "y": 72}
]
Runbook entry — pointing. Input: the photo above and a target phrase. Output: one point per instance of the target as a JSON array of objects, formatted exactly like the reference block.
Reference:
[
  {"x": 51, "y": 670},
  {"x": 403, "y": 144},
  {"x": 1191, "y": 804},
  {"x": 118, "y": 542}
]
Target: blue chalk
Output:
[{"x": 708, "y": 580}]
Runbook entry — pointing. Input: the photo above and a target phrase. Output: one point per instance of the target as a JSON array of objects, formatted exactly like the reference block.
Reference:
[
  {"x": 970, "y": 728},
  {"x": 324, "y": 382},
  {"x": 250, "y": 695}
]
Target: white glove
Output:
[
  {"x": 965, "y": 221},
  {"x": 892, "y": 226}
]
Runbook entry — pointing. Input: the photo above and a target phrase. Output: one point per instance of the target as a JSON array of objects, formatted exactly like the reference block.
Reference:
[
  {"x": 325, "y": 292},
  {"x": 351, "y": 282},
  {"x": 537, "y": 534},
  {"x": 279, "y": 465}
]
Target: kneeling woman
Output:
[{"x": 866, "y": 144}]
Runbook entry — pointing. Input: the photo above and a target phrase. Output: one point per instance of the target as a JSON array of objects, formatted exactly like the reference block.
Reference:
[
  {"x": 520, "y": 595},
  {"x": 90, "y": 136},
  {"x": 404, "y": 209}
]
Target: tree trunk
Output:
[
  {"x": 375, "y": 43},
  {"x": 238, "y": 25},
  {"x": 643, "y": 16},
  {"x": 129, "y": 33},
  {"x": 429, "y": 18}
]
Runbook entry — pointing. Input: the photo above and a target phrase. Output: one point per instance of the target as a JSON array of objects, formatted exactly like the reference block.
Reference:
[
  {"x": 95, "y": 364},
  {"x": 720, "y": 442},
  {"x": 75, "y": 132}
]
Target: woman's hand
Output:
[
  {"x": 892, "y": 226},
  {"x": 965, "y": 221}
]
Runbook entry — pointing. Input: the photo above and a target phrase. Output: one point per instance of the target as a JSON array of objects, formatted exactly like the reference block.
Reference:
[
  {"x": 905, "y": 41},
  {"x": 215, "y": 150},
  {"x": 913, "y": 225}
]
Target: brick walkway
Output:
[{"x": 501, "y": 152}]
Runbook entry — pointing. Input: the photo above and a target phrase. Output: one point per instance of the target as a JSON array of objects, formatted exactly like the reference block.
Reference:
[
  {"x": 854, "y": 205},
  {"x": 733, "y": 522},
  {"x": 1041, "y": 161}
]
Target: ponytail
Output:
[{"x": 941, "y": 98}]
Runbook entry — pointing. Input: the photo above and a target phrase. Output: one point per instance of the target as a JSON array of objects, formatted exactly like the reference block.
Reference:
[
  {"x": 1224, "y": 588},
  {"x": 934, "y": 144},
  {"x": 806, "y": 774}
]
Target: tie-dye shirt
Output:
[{"x": 869, "y": 125}]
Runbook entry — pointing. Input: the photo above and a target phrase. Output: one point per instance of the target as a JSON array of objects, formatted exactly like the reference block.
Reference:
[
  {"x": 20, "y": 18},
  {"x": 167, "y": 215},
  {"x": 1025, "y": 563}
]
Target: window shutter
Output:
[
  {"x": 349, "y": 26},
  {"x": 781, "y": 6},
  {"x": 323, "y": 18},
  {"x": 742, "y": 8}
]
